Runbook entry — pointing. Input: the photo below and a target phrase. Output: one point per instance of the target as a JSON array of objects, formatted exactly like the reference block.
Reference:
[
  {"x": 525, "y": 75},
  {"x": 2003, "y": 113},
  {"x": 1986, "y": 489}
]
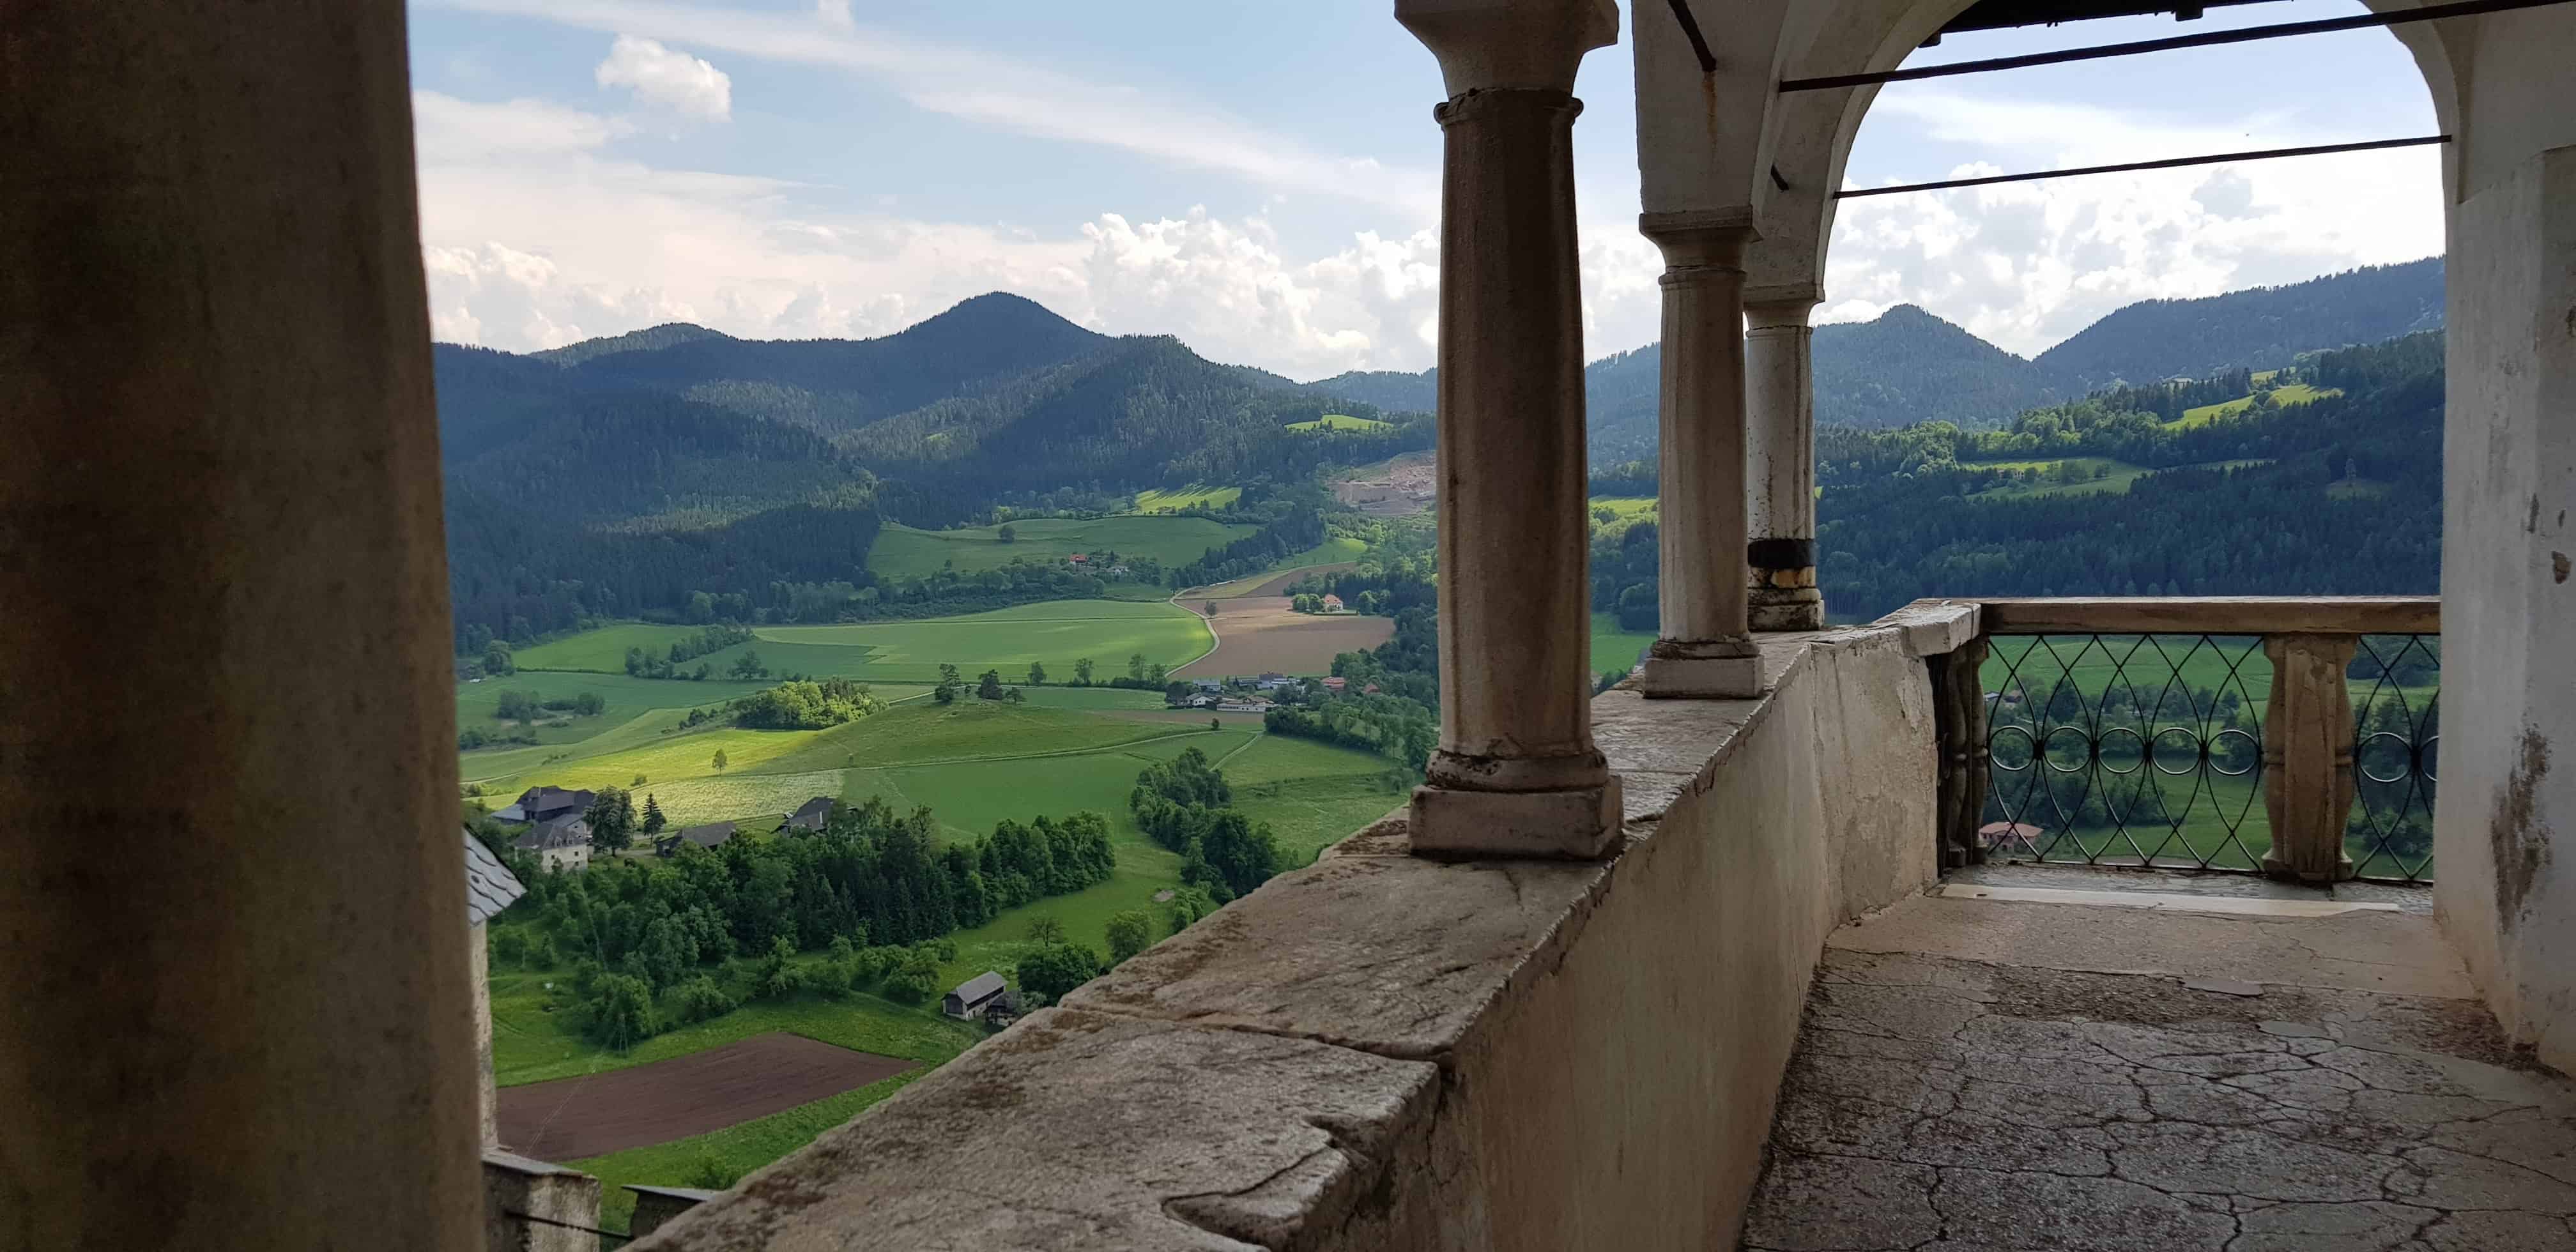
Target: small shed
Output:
[
  {"x": 656, "y": 1205},
  {"x": 711, "y": 835},
  {"x": 973, "y": 996},
  {"x": 811, "y": 816}
]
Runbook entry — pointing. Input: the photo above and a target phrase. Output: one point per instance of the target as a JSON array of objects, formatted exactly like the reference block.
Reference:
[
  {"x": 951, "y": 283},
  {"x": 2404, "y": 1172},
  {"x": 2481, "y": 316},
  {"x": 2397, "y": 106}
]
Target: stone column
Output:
[
  {"x": 1780, "y": 404},
  {"x": 239, "y": 1013},
  {"x": 2307, "y": 756},
  {"x": 1704, "y": 649},
  {"x": 1516, "y": 773}
]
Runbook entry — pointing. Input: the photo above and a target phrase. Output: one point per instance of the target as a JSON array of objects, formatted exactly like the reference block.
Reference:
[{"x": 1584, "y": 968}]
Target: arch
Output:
[{"x": 1807, "y": 136}]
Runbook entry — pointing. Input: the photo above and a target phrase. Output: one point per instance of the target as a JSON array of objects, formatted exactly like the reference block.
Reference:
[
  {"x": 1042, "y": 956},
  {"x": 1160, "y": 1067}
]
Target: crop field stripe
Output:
[{"x": 1099, "y": 749}]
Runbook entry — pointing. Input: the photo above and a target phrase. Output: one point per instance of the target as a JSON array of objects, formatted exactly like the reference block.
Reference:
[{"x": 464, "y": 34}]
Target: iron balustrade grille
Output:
[
  {"x": 2147, "y": 750},
  {"x": 2396, "y": 683},
  {"x": 2126, "y": 750}
]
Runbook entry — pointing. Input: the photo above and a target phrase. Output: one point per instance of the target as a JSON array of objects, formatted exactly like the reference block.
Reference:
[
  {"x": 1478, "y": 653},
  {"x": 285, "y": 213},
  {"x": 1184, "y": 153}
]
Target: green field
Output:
[
  {"x": 1613, "y": 648},
  {"x": 1342, "y": 421},
  {"x": 1193, "y": 496},
  {"x": 2117, "y": 476},
  {"x": 905, "y": 552},
  {"x": 905, "y": 652},
  {"x": 1333, "y": 551},
  {"x": 1625, "y": 508},
  {"x": 2295, "y": 393}
]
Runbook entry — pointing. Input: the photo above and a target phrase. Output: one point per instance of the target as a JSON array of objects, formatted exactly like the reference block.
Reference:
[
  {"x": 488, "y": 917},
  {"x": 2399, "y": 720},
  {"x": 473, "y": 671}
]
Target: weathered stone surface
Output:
[
  {"x": 2036, "y": 1108},
  {"x": 1842, "y": 1204},
  {"x": 1122, "y": 1135},
  {"x": 1405, "y": 975},
  {"x": 2368, "y": 1226}
]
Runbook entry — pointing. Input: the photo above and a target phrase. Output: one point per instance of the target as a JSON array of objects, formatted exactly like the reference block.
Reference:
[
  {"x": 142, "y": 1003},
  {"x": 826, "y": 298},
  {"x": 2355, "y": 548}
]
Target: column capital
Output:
[
  {"x": 1771, "y": 306},
  {"x": 1713, "y": 238},
  {"x": 1527, "y": 45}
]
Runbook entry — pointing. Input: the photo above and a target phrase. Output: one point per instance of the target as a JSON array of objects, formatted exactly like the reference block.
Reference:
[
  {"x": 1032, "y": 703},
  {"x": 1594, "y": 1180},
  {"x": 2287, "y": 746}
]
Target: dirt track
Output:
[
  {"x": 572, "y": 1118},
  {"x": 1261, "y": 634}
]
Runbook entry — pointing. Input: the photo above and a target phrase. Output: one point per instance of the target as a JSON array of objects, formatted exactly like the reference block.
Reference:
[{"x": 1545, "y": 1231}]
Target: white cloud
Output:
[
  {"x": 449, "y": 131},
  {"x": 1030, "y": 99},
  {"x": 667, "y": 77}
]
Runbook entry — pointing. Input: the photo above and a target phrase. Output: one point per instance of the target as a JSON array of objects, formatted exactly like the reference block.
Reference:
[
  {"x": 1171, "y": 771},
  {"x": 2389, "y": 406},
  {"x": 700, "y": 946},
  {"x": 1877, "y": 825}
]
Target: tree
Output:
[
  {"x": 944, "y": 693},
  {"x": 1006, "y": 534},
  {"x": 1136, "y": 666},
  {"x": 589, "y": 704},
  {"x": 1013, "y": 696},
  {"x": 612, "y": 819},
  {"x": 1046, "y": 930},
  {"x": 496, "y": 659},
  {"x": 1129, "y": 933},
  {"x": 1082, "y": 672},
  {"x": 621, "y": 1011},
  {"x": 1037, "y": 674},
  {"x": 1053, "y": 971},
  {"x": 777, "y": 979},
  {"x": 989, "y": 687},
  {"x": 653, "y": 819},
  {"x": 917, "y": 980},
  {"x": 720, "y": 760},
  {"x": 1208, "y": 609},
  {"x": 1215, "y": 723},
  {"x": 749, "y": 666}
]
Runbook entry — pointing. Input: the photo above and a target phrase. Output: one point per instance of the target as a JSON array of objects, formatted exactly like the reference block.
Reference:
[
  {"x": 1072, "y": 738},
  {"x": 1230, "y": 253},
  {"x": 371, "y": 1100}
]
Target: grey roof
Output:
[
  {"x": 489, "y": 885},
  {"x": 709, "y": 835},
  {"x": 515, "y": 814},
  {"x": 983, "y": 986},
  {"x": 560, "y": 832},
  {"x": 695, "y": 1195},
  {"x": 812, "y": 813}
]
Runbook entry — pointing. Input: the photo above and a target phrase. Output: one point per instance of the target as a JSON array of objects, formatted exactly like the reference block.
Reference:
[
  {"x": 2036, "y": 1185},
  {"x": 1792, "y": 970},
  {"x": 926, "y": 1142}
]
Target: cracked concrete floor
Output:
[{"x": 1939, "y": 1103}]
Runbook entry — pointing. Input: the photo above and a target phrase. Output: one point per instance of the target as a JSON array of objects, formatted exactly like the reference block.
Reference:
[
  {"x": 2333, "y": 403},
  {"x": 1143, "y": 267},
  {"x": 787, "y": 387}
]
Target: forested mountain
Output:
[
  {"x": 2118, "y": 494},
  {"x": 2262, "y": 328},
  {"x": 1909, "y": 366},
  {"x": 1387, "y": 389},
  {"x": 621, "y": 476}
]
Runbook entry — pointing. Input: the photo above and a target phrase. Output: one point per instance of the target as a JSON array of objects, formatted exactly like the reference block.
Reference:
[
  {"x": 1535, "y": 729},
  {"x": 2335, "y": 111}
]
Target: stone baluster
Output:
[
  {"x": 2307, "y": 756},
  {"x": 1780, "y": 399},
  {"x": 1704, "y": 648},
  {"x": 1516, "y": 773}
]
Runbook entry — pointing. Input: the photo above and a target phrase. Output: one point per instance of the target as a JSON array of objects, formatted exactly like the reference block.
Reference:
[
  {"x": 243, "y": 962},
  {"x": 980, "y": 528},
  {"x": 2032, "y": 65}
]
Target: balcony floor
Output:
[{"x": 1980, "y": 1073}]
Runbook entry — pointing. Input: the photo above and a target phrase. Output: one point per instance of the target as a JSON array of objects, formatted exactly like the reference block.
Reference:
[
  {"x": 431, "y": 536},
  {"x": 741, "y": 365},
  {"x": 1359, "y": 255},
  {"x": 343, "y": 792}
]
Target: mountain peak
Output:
[{"x": 646, "y": 340}]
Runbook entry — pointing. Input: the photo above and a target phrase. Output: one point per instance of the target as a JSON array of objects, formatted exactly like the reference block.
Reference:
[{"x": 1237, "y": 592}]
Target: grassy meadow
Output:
[
  {"x": 909, "y": 553},
  {"x": 1614, "y": 648},
  {"x": 2295, "y": 393},
  {"x": 902, "y": 652},
  {"x": 1342, "y": 421},
  {"x": 1194, "y": 496}
]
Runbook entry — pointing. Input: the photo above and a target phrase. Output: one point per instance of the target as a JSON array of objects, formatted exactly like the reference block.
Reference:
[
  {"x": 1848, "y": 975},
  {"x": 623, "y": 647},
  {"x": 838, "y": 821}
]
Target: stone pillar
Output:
[
  {"x": 239, "y": 1014},
  {"x": 1780, "y": 404},
  {"x": 2307, "y": 757},
  {"x": 1517, "y": 773},
  {"x": 1704, "y": 648}
]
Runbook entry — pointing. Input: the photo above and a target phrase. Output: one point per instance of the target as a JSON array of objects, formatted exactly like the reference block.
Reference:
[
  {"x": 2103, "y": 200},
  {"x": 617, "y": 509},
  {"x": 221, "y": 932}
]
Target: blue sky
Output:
[{"x": 1262, "y": 179}]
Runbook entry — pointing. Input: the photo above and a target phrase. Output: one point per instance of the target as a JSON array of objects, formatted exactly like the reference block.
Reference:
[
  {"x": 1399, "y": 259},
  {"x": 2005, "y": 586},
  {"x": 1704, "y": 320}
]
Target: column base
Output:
[
  {"x": 2282, "y": 871},
  {"x": 1710, "y": 669},
  {"x": 1576, "y": 824},
  {"x": 1786, "y": 608}
]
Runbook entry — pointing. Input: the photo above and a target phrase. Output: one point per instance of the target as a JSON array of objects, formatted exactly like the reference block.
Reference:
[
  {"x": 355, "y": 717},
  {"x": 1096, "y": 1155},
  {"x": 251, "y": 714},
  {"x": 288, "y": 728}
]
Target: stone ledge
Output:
[{"x": 1084, "y": 1130}]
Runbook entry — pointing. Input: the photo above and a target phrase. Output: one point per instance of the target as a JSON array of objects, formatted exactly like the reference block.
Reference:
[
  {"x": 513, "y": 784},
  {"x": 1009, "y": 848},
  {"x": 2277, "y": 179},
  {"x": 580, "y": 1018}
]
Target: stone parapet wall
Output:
[{"x": 1383, "y": 1051}]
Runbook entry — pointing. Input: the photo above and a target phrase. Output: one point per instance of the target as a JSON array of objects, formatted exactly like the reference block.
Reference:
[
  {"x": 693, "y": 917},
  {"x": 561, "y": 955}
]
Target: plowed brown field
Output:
[{"x": 572, "y": 1118}]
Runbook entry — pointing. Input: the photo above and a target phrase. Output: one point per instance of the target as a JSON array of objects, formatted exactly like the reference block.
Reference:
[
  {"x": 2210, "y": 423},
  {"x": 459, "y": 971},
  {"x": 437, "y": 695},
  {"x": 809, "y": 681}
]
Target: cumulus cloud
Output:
[{"x": 667, "y": 77}]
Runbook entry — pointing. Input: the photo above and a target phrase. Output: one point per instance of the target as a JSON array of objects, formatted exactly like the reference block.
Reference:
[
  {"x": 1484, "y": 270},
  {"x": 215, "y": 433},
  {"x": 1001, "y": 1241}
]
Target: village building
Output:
[
  {"x": 974, "y": 996},
  {"x": 809, "y": 818},
  {"x": 541, "y": 804},
  {"x": 560, "y": 843},
  {"x": 1336, "y": 684},
  {"x": 1332, "y": 603},
  {"x": 711, "y": 835}
]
